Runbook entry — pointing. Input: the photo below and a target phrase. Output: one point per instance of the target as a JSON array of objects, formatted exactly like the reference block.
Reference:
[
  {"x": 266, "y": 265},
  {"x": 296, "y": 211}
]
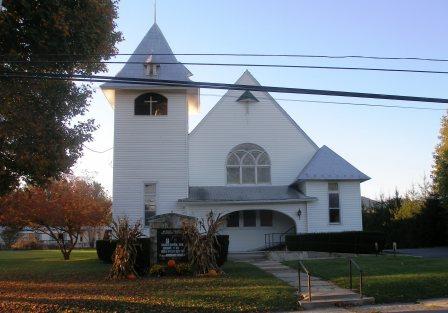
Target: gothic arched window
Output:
[
  {"x": 151, "y": 104},
  {"x": 248, "y": 164}
]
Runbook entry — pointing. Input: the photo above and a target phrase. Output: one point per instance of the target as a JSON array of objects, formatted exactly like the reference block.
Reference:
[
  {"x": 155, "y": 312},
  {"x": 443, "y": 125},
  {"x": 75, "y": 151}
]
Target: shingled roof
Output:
[
  {"x": 152, "y": 44},
  {"x": 328, "y": 165},
  {"x": 246, "y": 194}
]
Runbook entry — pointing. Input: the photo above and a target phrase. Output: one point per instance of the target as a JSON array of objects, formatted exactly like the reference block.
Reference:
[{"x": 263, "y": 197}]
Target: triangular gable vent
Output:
[{"x": 247, "y": 97}]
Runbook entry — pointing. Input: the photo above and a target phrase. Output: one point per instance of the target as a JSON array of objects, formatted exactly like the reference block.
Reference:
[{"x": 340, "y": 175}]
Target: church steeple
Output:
[
  {"x": 155, "y": 48},
  {"x": 152, "y": 59}
]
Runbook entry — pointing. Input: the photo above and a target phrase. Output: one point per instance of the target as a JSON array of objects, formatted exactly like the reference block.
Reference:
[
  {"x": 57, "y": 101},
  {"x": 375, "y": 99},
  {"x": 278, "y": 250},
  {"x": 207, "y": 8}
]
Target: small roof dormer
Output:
[
  {"x": 152, "y": 59},
  {"x": 152, "y": 69}
]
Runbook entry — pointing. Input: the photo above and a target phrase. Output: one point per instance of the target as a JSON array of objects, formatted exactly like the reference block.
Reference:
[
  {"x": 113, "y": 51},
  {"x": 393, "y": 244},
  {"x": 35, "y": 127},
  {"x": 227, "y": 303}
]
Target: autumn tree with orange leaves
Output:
[{"x": 61, "y": 210}]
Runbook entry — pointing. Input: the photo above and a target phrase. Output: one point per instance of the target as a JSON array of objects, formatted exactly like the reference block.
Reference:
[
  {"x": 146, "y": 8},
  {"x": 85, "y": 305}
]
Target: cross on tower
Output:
[{"x": 150, "y": 101}]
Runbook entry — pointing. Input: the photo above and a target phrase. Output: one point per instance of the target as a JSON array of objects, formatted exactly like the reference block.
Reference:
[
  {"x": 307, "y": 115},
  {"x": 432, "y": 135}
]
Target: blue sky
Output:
[{"x": 393, "y": 146}]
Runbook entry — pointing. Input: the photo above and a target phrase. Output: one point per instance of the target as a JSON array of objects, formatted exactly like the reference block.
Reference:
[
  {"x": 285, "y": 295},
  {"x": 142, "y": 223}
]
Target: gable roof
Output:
[
  {"x": 153, "y": 43},
  {"x": 248, "y": 79},
  {"x": 328, "y": 165},
  {"x": 244, "y": 194}
]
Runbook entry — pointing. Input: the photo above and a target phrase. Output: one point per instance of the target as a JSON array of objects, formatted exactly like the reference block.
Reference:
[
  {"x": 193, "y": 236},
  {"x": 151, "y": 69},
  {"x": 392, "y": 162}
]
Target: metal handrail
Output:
[
  {"x": 350, "y": 262},
  {"x": 301, "y": 267},
  {"x": 270, "y": 242}
]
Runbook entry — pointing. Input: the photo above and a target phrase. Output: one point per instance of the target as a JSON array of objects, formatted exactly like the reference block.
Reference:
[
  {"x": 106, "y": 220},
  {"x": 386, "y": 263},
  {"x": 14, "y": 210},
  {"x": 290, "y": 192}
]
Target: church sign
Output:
[{"x": 171, "y": 245}]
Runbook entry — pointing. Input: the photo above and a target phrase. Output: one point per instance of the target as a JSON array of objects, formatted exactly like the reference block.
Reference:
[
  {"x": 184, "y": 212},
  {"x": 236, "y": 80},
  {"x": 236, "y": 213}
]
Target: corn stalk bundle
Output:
[
  {"x": 126, "y": 251},
  {"x": 201, "y": 238}
]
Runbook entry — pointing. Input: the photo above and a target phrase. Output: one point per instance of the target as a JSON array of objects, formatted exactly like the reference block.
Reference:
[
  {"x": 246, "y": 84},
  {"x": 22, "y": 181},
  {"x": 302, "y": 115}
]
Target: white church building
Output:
[{"x": 247, "y": 159}]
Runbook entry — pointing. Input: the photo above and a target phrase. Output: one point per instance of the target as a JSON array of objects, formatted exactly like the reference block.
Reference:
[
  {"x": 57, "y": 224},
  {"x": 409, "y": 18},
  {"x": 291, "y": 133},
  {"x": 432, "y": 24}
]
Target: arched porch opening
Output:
[{"x": 254, "y": 230}]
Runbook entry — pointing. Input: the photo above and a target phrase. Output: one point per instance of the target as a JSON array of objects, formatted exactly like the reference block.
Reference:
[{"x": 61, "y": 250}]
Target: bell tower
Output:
[{"x": 150, "y": 131}]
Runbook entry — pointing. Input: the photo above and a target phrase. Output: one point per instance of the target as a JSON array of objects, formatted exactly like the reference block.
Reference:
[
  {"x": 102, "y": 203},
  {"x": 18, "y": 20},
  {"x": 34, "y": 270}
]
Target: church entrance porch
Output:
[
  {"x": 254, "y": 217},
  {"x": 251, "y": 230}
]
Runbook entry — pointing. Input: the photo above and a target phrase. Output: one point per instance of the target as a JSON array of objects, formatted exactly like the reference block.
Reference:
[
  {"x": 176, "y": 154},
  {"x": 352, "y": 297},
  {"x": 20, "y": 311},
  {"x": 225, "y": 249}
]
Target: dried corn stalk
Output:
[
  {"x": 201, "y": 242},
  {"x": 126, "y": 251}
]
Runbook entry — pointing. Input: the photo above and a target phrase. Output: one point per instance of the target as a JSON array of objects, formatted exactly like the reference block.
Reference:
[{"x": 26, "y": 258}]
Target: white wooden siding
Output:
[
  {"x": 231, "y": 123},
  {"x": 149, "y": 149},
  {"x": 349, "y": 203}
]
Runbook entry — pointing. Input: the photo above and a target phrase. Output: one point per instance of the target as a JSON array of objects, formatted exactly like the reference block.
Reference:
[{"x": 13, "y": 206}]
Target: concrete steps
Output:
[
  {"x": 342, "y": 302},
  {"x": 324, "y": 294}
]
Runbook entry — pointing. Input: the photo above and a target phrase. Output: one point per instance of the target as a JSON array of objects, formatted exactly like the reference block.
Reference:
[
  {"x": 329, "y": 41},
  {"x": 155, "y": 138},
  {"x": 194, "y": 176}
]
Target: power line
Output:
[
  {"x": 305, "y": 101},
  {"x": 335, "y": 102},
  {"x": 375, "y": 69},
  {"x": 254, "y": 55},
  {"x": 96, "y": 151},
  {"x": 208, "y": 85}
]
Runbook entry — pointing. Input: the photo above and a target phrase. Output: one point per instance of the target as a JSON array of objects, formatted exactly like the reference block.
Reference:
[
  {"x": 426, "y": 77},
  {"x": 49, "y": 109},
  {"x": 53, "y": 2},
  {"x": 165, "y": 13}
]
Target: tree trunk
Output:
[{"x": 66, "y": 255}]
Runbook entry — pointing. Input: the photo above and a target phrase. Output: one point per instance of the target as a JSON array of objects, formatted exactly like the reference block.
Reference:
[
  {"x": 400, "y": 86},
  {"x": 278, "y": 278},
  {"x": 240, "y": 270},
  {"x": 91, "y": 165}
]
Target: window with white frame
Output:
[
  {"x": 333, "y": 203},
  {"x": 150, "y": 201},
  {"x": 248, "y": 164}
]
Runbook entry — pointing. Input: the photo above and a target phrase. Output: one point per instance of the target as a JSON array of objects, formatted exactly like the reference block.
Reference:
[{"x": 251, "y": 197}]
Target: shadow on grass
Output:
[{"x": 39, "y": 281}]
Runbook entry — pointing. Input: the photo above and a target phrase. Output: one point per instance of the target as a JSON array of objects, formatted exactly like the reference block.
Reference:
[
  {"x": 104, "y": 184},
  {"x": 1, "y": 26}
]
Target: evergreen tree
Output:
[{"x": 440, "y": 167}]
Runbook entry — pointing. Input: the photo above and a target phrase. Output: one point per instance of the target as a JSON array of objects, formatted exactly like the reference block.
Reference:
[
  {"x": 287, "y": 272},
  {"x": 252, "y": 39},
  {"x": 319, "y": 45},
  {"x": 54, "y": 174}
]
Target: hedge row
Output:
[
  {"x": 106, "y": 248},
  {"x": 222, "y": 248},
  {"x": 344, "y": 242}
]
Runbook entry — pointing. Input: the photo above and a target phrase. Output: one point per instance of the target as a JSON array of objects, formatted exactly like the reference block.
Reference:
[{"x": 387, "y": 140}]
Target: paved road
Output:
[{"x": 436, "y": 252}]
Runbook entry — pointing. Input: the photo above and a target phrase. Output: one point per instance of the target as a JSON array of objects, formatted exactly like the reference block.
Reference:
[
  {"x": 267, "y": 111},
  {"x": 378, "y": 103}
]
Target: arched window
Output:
[
  {"x": 248, "y": 164},
  {"x": 151, "y": 104}
]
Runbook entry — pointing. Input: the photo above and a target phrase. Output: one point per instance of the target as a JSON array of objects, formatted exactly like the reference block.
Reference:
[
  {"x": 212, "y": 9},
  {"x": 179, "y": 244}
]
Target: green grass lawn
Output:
[
  {"x": 40, "y": 281},
  {"x": 388, "y": 278}
]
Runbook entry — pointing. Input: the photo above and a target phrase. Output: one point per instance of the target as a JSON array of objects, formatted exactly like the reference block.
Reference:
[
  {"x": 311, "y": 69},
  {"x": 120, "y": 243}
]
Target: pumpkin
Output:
[
  {"x": 212, "y": 273},
  {"x": 171, "y": 264}
]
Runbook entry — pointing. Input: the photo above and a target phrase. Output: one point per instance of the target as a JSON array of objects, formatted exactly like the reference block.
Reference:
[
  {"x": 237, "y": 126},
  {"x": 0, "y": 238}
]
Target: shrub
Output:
[
  {"x": 105, "y": 249},
  {"x": 180, "y": 269},
  {"x": 10, "y": 234},
  {"x": 222, "y": 249},
  {"x": 344, "y": 242},
  {"x": 142, "y": 259},
  {"x": 157, "y": 270},
  {"x": 27, "y": 242},
  {"x": 183, "y": 269}
]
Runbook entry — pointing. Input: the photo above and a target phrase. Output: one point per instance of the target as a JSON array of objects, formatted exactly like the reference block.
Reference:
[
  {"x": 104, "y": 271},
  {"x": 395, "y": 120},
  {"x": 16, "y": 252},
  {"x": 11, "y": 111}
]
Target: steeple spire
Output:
[{"x": 155, "y": 11}]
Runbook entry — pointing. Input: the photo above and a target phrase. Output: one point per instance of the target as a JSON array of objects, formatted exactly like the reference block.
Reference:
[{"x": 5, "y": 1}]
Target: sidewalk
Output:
[
  {"x": 323, "y": 293},
  {"x": 426, "y": 306},
  {"x": 324, "y": 289}
]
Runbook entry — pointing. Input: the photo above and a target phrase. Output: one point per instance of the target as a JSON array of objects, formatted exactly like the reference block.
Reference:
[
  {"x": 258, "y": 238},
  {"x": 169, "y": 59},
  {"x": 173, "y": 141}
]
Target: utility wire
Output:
[
  {"x": 192, "y": 84},
  {"x": 305, "y": 101},
  {"x": 96, "y": 151},
  {"x": 252, "y": 55},
  {"x": 335, "y": 102},
  {"x": 376, "y": 69}
]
